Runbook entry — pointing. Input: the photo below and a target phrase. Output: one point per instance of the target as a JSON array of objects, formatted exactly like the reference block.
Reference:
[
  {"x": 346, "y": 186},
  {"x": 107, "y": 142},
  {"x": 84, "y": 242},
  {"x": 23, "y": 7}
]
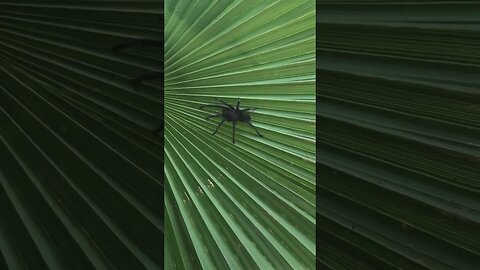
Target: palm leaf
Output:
[
  {"x": 80, "y": 178},
  {"x": 399, "y": 124},
  {"x": 248, "y": 205}
]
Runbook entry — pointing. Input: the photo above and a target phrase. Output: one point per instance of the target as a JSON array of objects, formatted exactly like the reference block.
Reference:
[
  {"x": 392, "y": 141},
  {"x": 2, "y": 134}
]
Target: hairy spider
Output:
[
  {"x": 232, "y": 114},
  {"x": 148, "y": 76}
]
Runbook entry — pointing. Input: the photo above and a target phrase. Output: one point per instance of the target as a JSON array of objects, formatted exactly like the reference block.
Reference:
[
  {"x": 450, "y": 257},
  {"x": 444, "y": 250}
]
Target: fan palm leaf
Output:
[
  {"x": 398, "y": 146},
  {"x": 81, "y": 184},
  {"x": 248, "y": 205}
]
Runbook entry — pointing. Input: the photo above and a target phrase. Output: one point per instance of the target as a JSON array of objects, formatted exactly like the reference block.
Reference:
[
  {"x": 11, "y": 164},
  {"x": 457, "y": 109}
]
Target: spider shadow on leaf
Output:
[
  {"x": 231, "y": 114},
  {"x": 147, "y": 76}
]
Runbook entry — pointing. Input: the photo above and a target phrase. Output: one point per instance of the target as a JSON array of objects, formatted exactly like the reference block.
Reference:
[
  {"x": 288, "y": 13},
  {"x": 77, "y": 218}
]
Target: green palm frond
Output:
[
  {"x": 399, "y": 135},
  {"x": 80, "y": 175},
  {"x": 248, "y": 205}
]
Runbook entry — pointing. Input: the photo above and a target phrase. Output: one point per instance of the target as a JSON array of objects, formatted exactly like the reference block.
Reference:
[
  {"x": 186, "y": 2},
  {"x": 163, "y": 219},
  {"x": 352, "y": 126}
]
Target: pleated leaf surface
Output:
[
  {"x": 81, "y": 180},
  {"x": 248, "y": 205},
  {"x": 398, "y": 150}
]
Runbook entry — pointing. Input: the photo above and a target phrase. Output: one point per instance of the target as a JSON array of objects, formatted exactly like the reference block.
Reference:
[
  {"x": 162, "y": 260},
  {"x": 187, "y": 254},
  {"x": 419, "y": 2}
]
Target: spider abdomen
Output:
[
  {"x": 244, "y": 117},
  {"x": 233, "y": 115},
  {"x": 230, "y": 115}
]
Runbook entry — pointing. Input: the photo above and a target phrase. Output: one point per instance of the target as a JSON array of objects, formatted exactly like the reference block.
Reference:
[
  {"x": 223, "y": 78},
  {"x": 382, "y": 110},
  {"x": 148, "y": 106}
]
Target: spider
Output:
[
  {"x": 231, "y": 114},
  {"x": 148, "y": 76}
]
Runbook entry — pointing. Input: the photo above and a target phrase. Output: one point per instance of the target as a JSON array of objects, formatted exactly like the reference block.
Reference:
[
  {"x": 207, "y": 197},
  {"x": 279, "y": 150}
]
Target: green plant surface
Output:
[
  {"x": 248, "y": 205},
  {"x": 398, "y": 150},
  {"x": 81, "y": 183}
]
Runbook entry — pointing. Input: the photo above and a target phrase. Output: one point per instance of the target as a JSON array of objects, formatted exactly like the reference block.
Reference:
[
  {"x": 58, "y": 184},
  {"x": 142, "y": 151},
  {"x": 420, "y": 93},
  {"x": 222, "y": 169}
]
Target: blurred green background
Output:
[
  {"x": 398, "y": 150},
  {"x": 81, "y": 177}
]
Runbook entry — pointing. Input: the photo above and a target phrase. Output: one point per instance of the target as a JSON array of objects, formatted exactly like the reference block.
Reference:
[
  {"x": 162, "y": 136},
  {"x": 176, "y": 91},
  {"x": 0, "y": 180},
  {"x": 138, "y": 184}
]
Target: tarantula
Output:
[
  {"x": 148, "y": 76},
  {"x": 231, "y": 114}
]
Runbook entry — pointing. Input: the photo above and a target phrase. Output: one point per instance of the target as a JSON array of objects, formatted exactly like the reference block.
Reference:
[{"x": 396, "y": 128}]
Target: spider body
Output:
[{"x": 232, "y": 114}]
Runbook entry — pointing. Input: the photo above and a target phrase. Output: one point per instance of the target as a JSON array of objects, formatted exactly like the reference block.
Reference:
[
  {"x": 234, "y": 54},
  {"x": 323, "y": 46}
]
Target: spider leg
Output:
[
  {"x": 226, "y": 104},
  {"x": 218, "y": 127},
  {"x": 255, "y": 129},
  {"x": 238, "y": 104},
  {"x": 214, "y": 105},
  {"x": 248, "y": 109},
  {"x": 233, "y": 138},
  {"x": 148, "y": 76},
  {"x": 214, "y": 115},
  {"x": 157, "y": 130}
]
